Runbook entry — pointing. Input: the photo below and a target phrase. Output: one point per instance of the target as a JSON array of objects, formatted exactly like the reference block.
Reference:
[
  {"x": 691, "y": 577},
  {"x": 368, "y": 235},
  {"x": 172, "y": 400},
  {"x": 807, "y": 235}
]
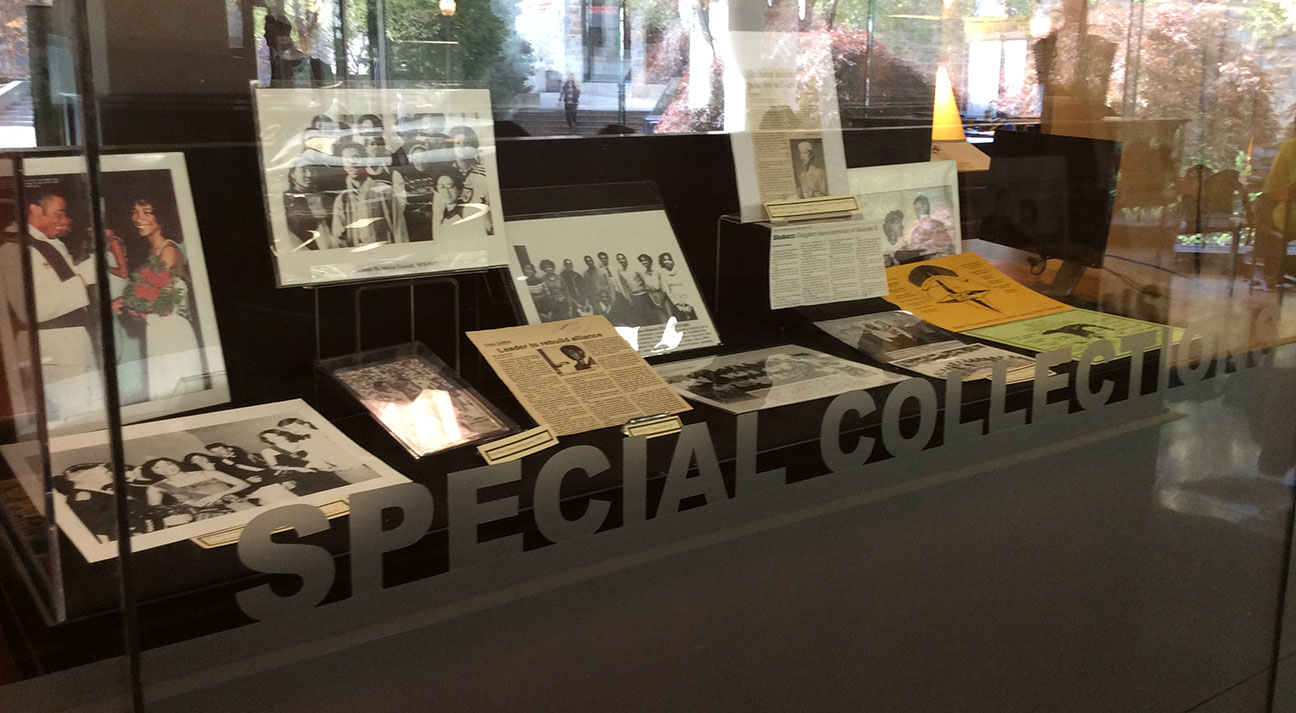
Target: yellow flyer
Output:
[{"x": 963, "y": 292}]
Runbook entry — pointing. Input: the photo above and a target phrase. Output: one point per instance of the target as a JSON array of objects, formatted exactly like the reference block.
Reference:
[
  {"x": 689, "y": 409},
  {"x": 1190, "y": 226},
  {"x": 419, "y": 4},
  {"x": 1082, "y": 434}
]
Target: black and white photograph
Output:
[
  {"x": 418, "y": 399},
  {"x": 625, "y": 266},
  {"x": 755, "y": 380},
  {"x": 363, "y": 183},
  {"x": 190, "y": 477},
  {"x": 568, "y": 359},
  {"x": 168, "y": 355},
  {"x": 888, "y": 333},
  {"x": 898, "y": 338},
  {"x": 916, "y": 205},
  {"x": 808, "y": 163}
]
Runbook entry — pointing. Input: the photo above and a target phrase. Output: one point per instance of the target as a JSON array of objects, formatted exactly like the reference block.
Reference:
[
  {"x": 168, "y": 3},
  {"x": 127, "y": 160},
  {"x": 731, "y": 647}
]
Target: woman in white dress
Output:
[
  {"x": 173, "y": 360},
  {"x": 130, "y": 370}
]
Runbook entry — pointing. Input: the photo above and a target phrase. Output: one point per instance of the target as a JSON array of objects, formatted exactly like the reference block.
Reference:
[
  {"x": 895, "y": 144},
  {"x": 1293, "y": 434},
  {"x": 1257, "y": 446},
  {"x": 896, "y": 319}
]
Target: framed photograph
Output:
[
  {"x": 197, "y": 475},
  {"x": 917, "y": 206},
  {"x": 625, "y": 266},
  {"x": 421, "y": 402},
  {"x": 168, "y": 350},
  {"x": 369, "y": 183},
  {"x": 756, "y": 380}
]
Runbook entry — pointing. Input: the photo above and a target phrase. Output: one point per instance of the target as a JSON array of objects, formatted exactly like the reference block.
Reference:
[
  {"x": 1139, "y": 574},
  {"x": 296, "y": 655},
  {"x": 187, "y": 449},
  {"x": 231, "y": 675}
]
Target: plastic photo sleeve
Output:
[{"x": 421, "y": 401}]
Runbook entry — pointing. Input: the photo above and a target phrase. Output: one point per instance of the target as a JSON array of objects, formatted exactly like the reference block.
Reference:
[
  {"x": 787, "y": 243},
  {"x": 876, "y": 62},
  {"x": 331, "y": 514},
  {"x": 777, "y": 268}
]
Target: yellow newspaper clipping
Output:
[{"x": 576, "y": 375}]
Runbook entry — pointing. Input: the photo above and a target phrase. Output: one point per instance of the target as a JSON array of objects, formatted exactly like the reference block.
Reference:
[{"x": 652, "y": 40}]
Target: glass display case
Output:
[{"x": 824, "y": 355}]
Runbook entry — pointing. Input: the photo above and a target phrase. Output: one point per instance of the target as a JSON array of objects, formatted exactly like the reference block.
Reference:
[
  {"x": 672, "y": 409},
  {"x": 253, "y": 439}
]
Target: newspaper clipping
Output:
[
  {"x": 822, "y": 263},
  {"x": 576, "y": 375},
  {"x": 784, "y": 126},
  {"x": 757, "y": 380},
  {"x": 901, "y": 339}
]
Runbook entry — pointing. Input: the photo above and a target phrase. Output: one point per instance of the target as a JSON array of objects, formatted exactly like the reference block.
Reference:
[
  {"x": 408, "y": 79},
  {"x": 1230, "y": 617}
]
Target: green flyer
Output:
[{"x": 1075, "y": 328}]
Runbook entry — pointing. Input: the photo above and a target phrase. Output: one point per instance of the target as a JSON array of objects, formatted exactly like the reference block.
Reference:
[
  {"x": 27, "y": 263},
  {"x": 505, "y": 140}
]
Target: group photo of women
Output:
[{"x": 187, "y": 476}]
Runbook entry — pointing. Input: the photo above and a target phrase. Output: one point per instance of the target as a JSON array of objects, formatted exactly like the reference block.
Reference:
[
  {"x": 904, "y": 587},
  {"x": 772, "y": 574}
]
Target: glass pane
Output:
[
  {"x": 1131, "y": 159},
  {"x": 64, "y": 639}
]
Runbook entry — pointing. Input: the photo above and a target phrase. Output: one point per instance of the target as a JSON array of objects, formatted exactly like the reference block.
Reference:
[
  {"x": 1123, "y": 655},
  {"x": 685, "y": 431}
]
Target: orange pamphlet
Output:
[{"x": 963, "y": 292}]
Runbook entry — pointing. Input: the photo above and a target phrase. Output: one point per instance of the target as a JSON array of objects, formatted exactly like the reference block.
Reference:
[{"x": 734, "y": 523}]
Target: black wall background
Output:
[{"x": 269, "y": 334}]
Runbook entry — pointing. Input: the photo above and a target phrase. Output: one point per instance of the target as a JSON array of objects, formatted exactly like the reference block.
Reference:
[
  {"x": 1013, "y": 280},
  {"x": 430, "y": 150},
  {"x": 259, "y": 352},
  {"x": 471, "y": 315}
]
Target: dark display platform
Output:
[{"x": 273, "y": 337}]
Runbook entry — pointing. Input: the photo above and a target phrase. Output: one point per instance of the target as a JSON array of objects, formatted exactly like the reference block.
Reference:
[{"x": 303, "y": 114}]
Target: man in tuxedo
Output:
[{"x": 69, "y": 370}]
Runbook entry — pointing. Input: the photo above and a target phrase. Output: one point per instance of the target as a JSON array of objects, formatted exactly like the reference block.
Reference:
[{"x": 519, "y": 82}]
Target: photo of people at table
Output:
[
  {"x": 395, "y": 178},
  {"x": 204, "y": 473}
]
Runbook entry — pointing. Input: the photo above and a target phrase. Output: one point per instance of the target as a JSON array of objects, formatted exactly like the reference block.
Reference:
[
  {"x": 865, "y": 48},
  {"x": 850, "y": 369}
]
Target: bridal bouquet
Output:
[{"x": 154, "y": 290}]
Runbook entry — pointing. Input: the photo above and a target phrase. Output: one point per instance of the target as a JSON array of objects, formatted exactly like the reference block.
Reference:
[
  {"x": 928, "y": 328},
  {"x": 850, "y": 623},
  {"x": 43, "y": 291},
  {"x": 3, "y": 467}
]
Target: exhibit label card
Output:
[
  {"x": 766, "y": 378},
  {"x": 821, "y": 263},
  {"x": 576, "y": 375},
  {"x": 1074, "y": 329},
  {"x": 901, "y": 339},
  {"x": 964, "y": 292},
  {"x": 198, "y": 475}
]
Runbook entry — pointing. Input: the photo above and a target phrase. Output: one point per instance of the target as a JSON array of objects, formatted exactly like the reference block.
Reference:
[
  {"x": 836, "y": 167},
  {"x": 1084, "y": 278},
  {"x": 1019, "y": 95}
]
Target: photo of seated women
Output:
[
  {"x": 194, "y": 477},
  {"x": 205, "y": 473}
]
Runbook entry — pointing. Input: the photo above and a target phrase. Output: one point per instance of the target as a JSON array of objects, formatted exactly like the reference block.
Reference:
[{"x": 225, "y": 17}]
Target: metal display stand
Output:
[{"x": 407, "y": 284}]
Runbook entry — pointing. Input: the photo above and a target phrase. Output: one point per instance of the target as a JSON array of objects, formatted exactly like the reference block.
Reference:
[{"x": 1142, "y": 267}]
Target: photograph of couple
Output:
[{"x": 167, "y": 346}]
